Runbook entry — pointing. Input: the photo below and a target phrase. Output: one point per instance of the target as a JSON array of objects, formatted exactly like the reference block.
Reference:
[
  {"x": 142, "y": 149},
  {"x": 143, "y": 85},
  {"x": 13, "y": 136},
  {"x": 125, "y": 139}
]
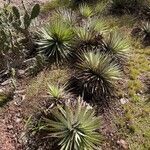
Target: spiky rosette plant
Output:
[
  {"x": 75, "y": 126},
  {"x": 56, "y": 41},
  {"x": 145, "y": 28},
  {"x": 99, "y": 25},
  {"x": 96, "y": 74},
  {"x": 86, "y": 37},
  {"x": 117, "y": 46},
  {"x": 88, "y": 34},
  {"x": 66, "y": 15},
  {"x": 86, "y": 11},
  {"x": 57, "y": 94}
]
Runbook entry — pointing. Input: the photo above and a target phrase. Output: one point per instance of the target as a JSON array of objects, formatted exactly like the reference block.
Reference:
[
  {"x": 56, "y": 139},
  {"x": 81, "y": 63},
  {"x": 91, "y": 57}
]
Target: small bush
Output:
[
  {"x": 56, "y": 41},
  {"x": 96, "y": 75},
  {"x": 86, "y": 11},
  {"x": 145, "y": 28},
  {"x": 74, "y": 126},
  {"x": 117, "y": 46}
]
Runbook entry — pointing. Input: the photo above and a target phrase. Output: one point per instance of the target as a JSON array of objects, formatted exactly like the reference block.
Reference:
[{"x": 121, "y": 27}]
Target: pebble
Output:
[
  {"x": 124, "y": 101},
  {"x": 123, "y": 144}
]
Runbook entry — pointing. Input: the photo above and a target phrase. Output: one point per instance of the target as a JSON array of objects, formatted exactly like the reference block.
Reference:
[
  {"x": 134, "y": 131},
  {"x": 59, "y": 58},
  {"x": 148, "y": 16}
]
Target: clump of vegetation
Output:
[
  {"x": 146, "y": 33},
  {"x": 56, "y": 92},
  {"x": 117, "y": 46},
  {"x": 81, "y": 45},
  {"x": 86, "y": 11},
  {"x": 65, "y": 15},
  {"x": 74, "y": 125},
  {"x": 143, "y": 33},
  {"x": 56, "y": 42},
  {"x": 96, "y": 74}
]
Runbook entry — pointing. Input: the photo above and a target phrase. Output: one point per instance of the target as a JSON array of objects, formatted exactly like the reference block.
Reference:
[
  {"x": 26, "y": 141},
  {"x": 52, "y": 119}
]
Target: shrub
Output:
[
  {"x": 99, "y": 25},
  {"x": 56, "y": 91},
  {"x": 145, "y": 29},
  {"x": 56, "y": 41},
  {"x": 74, "y": 125},
  {"x": 117, "y": 46},
  {"x": 96, "y": 74},
  {"x": 66, "y": 15},
  {"x": 84, "y": 35},
  {"x": 90, "y": 34},
  {"x": 89, "y": 11},
  {"x": 86, "y": 11}
]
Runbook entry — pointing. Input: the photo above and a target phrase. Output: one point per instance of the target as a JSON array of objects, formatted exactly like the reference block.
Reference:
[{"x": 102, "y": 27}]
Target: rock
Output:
[
  {"x": 123, "y": 144},
  {"x": 20, "y": 91},
  {"x": 18, "y": 120},
  {"x": 21, "y": 73},
  {"x": 10, "y": 127},
  {"x": 124, "y": 101}
]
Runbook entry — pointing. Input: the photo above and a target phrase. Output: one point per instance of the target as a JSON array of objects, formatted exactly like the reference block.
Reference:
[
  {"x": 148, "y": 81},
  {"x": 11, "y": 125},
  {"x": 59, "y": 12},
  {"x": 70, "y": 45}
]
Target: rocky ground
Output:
[{"x": 11, "y": 120}]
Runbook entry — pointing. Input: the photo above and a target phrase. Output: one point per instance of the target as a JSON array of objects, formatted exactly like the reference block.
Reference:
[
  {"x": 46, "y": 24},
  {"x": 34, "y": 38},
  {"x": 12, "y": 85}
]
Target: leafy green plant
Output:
[
  {"x": 146, "y": 31},
  {"x": 89, "y": 11},
  {"x": 56, "y": 92},
  {"x": 75, "y": 126},
  {"x": 9, "y": 44},
  {"x": 56, "y": 41},
  {"x": 96, "y": 74},
  {"x": 23, "y": 24},
  {"x": 66, "y": 15},
  {"x": 86, "y": 11},
  {"x": 84, "y": 35},
  {"x": 117, "y": 46},
  {"x": 99, "y": 25}
]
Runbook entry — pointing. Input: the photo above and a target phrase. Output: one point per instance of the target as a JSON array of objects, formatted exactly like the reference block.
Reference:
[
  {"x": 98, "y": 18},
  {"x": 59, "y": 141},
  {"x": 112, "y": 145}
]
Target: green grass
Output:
[
  {"x": 140, "y": 108},
  {"x": 54, "y": 4},
  {"x": 39, "y": 85},
  {"x": 135, "y": 123}
]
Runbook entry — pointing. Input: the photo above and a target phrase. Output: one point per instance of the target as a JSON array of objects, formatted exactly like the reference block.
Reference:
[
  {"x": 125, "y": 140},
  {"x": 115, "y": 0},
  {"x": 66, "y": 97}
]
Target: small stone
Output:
[
  {"x": 123, "y": 144},
  {"x": 124, "y": 101},
  {"x": 19, "y": 91},
  {"x": 18, "y": 120},
  {"x": 10, "y": 127},
  {"x": 21, "y": 73}
]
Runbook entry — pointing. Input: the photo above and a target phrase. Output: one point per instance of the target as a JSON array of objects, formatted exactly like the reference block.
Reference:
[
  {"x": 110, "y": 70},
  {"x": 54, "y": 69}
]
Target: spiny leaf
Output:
[{"x": 35, "y": 11}]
